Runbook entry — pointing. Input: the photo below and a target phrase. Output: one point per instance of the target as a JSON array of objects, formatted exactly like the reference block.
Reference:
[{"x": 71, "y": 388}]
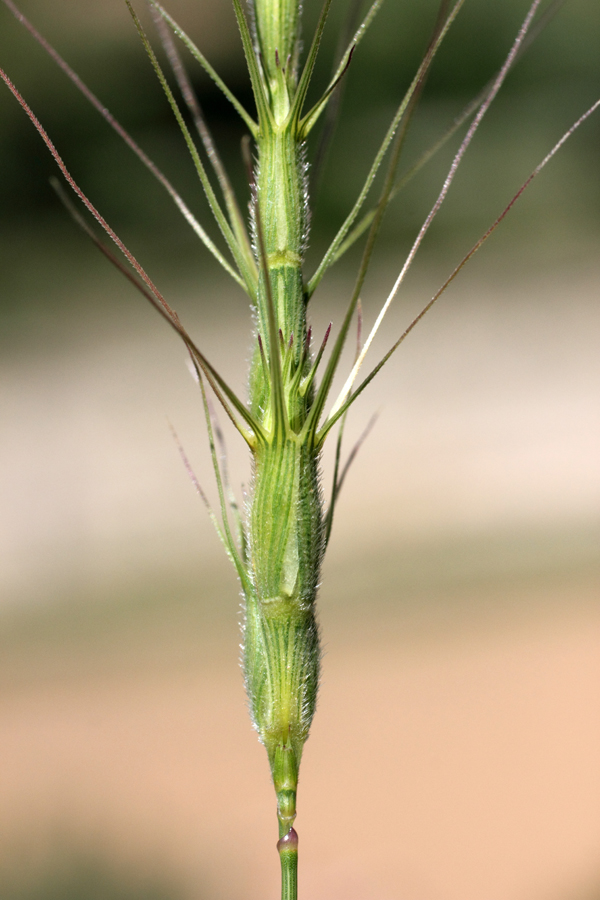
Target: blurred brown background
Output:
[{"x": 455, "y": 754}]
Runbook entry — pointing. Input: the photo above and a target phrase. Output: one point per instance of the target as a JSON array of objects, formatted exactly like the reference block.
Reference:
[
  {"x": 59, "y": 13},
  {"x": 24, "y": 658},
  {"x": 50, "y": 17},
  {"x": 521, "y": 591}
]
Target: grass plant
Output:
[{"x": 277, "y": 540}]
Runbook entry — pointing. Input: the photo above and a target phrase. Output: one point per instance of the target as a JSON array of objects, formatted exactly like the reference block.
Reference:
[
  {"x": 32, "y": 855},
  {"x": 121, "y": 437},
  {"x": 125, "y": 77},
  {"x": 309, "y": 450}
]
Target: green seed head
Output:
[{"x": 281, "y": 544}]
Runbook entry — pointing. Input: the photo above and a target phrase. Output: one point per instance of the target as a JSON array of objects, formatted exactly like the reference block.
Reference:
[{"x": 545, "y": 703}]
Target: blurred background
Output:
[{"x": 455, "y": 754}]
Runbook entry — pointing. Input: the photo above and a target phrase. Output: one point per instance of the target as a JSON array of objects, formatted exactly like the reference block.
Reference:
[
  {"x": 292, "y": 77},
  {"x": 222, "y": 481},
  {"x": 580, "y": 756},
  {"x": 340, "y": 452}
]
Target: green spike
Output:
[{"x": 280, "y": 550}]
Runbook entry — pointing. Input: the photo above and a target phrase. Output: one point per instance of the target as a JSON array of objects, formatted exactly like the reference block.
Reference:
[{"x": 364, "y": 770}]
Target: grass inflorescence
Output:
[{"x": 277, "y": 542}]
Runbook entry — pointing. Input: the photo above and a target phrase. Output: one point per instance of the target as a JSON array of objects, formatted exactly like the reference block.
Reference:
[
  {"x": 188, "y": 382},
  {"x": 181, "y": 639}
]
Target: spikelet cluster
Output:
[{"x": 278, "y": 547}]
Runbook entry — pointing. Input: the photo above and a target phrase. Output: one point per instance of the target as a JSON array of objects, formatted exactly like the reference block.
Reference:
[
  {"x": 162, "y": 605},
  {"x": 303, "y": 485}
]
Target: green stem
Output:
[{"x": 288, "y": 855}]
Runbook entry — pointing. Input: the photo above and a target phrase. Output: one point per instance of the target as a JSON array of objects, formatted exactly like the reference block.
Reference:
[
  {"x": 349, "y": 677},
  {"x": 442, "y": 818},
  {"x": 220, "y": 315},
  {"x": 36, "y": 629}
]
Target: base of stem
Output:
[{"x": 287, "y": 847}]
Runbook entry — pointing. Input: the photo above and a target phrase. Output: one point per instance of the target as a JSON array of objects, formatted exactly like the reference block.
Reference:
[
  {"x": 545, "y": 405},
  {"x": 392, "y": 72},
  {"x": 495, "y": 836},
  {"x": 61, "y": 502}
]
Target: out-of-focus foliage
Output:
[{"x": 83, "y": 878}]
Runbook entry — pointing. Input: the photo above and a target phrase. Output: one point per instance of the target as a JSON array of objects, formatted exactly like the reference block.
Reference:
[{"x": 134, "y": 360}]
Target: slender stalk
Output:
[{"x": 287, "y": 846}]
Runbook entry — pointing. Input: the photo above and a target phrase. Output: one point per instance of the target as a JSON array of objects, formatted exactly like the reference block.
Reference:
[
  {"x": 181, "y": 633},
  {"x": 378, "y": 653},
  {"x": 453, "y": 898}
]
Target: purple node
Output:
[{"x": 289, "y": 841}]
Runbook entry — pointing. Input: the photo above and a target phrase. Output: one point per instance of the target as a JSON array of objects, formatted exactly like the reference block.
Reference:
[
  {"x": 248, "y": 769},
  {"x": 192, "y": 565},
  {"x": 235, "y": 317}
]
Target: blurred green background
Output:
[{"x": 455, "y": 752}]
